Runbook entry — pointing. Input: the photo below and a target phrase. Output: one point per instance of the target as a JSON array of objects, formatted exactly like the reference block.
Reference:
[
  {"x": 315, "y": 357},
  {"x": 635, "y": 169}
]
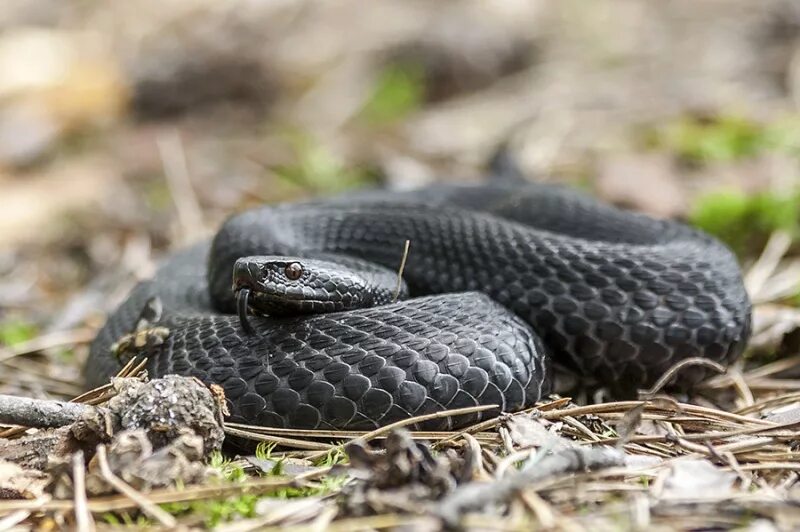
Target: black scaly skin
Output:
[{"x": 619, "y": 297}]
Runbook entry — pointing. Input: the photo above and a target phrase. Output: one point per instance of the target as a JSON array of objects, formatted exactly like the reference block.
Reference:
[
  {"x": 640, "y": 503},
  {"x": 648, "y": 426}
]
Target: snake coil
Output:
[{"x": 504, "y": 279}]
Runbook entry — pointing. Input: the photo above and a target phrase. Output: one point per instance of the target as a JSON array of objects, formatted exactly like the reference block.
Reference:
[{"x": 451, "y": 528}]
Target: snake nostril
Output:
[
  {"x": 254, "y": 270},
  {"x": 243, "y": 275}
]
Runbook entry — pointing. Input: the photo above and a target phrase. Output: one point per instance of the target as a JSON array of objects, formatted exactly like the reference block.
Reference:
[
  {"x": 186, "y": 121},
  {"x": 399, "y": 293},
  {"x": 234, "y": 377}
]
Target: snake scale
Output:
[{"x": 504, "y": 280}]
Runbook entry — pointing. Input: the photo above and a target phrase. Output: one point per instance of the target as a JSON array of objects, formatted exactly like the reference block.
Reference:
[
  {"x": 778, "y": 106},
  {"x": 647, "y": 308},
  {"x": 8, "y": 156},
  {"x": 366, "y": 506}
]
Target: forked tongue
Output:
[{"x": 241, "y": 306}]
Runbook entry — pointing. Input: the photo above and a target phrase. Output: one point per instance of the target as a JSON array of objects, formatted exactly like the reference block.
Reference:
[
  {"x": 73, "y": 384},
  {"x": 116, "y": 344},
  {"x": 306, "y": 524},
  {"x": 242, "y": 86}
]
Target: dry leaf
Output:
[
  {"x": 692, "y": 479},
  {"x": 527, "y": 432}
]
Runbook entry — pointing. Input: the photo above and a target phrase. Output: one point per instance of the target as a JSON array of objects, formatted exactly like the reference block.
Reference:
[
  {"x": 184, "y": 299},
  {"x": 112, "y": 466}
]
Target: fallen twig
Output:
[
  {"x": 292, "y": 442},
  {"x": 474, "y": 496},
  {"x": 40, "y": 413},
  {"x": 83, "y": 517},
  {"x": 410, "y": 421}
]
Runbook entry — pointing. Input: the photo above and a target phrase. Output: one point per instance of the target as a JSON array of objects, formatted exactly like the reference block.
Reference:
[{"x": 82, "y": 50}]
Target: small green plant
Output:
[
  {"x": 745, "y": 222},
  {"x": 316, "y": 169},
  {"x": 726, "y": 137},
  {"x": 335, "y": 456},
  {"x": 398, "y": 91},
  {"x": 720, "y": 138},
  {"x": 215, "y": 512},
  {"x": 124, "y": 519},
  {"x": 264, "y": 450},
  {"x": 609, "y": 433},
  {"x": 15, "y": 331},
  {"x": 227, "y": 469},
  {"x": 325, "y": 486}
]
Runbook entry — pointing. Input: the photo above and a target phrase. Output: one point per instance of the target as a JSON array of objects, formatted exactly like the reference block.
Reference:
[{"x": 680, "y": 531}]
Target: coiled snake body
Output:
[{"x": 503, "y": 278}]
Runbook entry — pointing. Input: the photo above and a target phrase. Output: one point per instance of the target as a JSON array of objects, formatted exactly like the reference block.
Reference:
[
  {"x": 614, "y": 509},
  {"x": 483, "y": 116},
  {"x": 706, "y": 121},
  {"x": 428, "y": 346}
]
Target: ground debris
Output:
[
  {"x": 410, "y": 478},
  {"x": 482, "y": 496},
  {"x": 34, "y": 451},
  {"x": 19, "y": 483},
  {"x": 407, "y": 477},
  {"x": 164, "y": 409},
  {"x": 287, "y": 466},
  {"x": 695, "y": 480},
  {"x": 526, "y": 432},
  {"x": 133, "y": 458},
  {"x": 149, "y": 435}
]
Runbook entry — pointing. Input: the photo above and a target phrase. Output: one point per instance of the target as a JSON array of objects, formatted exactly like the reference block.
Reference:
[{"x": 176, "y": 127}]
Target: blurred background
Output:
[{"x": 129, "y": 128}]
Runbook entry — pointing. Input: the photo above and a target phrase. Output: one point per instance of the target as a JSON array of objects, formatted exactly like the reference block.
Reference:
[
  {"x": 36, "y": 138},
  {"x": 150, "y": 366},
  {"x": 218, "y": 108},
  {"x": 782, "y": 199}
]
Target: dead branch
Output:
[{"x": 40, "y": 413}]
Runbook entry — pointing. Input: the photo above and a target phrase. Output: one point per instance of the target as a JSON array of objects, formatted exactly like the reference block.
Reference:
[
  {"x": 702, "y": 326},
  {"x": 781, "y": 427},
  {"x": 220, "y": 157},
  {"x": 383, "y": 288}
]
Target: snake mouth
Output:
[
  {"x": 276, "y": 301},
  {"x": 253, "y": 301},
  {"x": 286, "y": 306},
  {"x": 242, "y": 297}
]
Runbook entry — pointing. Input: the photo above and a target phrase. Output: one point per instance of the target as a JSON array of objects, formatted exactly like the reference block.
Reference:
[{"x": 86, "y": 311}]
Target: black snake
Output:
[{"x": 502, "y": 279}]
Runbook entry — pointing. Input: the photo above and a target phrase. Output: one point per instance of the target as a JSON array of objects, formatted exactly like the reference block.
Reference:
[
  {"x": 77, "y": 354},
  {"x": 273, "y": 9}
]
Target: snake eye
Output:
[{"x": 293, "y": 271}]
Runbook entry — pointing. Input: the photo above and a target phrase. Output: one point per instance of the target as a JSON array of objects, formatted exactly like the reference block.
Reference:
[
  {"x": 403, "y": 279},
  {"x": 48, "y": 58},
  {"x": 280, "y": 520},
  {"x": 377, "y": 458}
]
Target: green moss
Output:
[{"x": 398, "y": 91}]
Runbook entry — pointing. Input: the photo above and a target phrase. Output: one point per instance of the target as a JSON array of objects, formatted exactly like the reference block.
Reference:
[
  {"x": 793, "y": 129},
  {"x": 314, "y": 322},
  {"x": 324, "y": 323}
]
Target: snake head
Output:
[{"x": 282, "y": 286}]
